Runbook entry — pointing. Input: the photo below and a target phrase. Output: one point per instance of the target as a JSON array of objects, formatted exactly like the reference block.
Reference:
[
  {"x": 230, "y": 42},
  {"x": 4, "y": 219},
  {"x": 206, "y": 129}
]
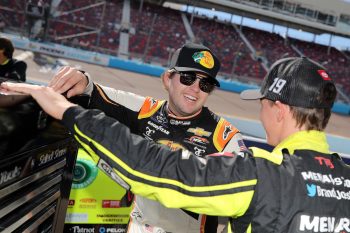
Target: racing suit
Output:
[
  {"x": 299, "y": 187},
  {"x": 13, "y": 69},
  {"x": 204, "y": 133}
]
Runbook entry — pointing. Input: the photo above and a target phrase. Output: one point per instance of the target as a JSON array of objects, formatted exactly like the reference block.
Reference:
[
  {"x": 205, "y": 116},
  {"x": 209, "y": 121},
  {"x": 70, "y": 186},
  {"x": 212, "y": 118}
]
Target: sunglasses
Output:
[{"x": 205, "y": 84}]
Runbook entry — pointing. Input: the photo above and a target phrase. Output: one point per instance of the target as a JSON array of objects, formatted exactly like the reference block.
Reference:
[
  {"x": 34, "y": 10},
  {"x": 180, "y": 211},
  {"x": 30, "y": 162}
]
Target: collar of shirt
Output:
[{"x": 306, "y": 140}]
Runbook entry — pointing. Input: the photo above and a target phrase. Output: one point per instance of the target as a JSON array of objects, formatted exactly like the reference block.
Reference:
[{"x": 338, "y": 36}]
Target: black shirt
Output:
[{"x": 14, "y": 69}]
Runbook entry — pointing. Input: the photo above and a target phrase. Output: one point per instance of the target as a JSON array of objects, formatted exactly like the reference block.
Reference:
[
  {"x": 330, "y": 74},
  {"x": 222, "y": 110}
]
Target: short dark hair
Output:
[
  {"x": 7, "y": 46},
  {"x": 316, "y": 118}
]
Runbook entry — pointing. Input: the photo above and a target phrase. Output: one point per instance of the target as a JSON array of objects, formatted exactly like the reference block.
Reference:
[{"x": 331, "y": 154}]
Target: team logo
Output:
[
  {"x": 149, "y": 131},
  {"x": 324, "y": 75},
  {"x": 161, "y": 119},
  {"x": 85, "y": 172},
  {"x": 172, "y": 145},
  {"x": 204, "y": 58},
  {"x": 197, "y": 139},
  {"x": 227, "y": 131},
  {"x": 110, "y": 204},
  {"x": 198, "y": 151},
  {"x": 324, "y": 162},
  {"x": 199, "y": 132}
]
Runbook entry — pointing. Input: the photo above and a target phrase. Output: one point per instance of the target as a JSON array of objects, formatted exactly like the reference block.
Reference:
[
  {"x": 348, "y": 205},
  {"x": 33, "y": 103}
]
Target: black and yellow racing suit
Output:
[
  {"x": 202, "y": 134},
  {"x": 299, "y": 187}
]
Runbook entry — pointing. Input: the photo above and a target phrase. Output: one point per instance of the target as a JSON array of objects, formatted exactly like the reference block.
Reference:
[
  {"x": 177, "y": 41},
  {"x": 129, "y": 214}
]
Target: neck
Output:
[{"x": 178, "y": 116}]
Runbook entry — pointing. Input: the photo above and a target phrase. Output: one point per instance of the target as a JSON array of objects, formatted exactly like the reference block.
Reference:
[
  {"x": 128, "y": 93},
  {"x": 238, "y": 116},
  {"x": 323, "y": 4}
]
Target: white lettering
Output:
[
  {"x": 158, "y": 127},
  {"x": 77, "y": 229},
  {"x": 6, "y": 176},
  {"x": 324, "y": 224},
  {"x": 325, "y": 179}
]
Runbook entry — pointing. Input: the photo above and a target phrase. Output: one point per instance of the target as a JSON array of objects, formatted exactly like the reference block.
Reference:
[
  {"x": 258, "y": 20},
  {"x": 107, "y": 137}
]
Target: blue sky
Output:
[{"x": 337, "y": 41}]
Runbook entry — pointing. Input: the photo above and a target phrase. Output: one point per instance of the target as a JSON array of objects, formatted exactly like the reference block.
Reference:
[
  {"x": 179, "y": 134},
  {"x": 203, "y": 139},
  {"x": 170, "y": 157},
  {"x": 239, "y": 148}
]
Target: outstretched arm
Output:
[
  {"x": 53, "y": 103},
  {"x": 220, "y": 185}
]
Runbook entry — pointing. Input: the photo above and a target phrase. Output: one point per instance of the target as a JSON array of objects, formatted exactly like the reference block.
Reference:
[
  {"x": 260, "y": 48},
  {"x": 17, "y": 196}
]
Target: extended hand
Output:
[
  {"x": 69, "y": 79},
  {"x": 51, "y": 102}
]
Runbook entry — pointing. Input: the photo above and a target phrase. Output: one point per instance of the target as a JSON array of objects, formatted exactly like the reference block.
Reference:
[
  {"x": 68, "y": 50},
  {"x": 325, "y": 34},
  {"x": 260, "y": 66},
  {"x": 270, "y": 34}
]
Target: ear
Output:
[
  {"x": 166, "y": 80},
  {"x": 282, "y": 110}
]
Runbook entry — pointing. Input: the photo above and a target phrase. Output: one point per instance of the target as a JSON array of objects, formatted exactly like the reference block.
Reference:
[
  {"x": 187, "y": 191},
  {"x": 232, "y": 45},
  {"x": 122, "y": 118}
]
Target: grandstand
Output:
[
  {"x": 149, "y": 32},
  {"x": 145, "y": 33}
]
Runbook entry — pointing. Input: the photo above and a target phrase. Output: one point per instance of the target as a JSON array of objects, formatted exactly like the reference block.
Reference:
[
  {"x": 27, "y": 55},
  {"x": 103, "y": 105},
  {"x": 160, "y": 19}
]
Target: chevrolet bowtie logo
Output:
[{"x": 199, "y": 132}]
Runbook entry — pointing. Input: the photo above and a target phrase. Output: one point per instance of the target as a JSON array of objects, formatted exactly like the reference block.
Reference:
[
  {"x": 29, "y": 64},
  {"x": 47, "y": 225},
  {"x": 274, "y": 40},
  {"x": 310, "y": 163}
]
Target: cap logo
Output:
[
  {"x": 324, "y": 75},
  {"x": 204, "y": 58},
  {"x": 277, "y": 85}
]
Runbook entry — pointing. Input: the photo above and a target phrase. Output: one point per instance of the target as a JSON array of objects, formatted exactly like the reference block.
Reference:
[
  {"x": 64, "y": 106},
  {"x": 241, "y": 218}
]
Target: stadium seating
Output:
[{"x": 155, "y": 32}]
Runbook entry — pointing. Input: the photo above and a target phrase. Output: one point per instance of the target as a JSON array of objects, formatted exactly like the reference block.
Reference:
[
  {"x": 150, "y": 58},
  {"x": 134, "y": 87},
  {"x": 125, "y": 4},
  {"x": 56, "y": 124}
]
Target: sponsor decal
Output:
[
  {"x": 76, "y": 217},
  {"x": 149, "y": 107},
  {"x": 172, "y": 145},
  {"x": 198, "y": 151},
  {"x": 7, "y": 176},
  {"x": 326, "y": 179},
  {"x": 110, "y": 230},
  {"x": 227, "y": 132},
  {"x": 108, "y": 170},
  {"x": 85, "y": 172},
  {"x": 158, "y": 127},
  {"x": 71, "y": 203},
  {"x": 223, "y": 133},
  {"x": 204, "y": 58},
  {"x": 324, "y": 224},
  {"x": 110, "y": 204},
  {"x": 136, "y": 215},
  {"x": 324, "y": 75},
  {"x": 315, "y": 190},
  {"x": 179, "y": 122},
  {"x": 161, "y": 119},
  {"x": 197, "y": 139},
  {"x": 324, "y": 162},
  {"x": 241, "y": 145},
  {"x": 88, "y": 200},
  {"x": 199, "y": 132},
  {"x": 78, "y": 229},
  {"x": 149, "y": 131}
]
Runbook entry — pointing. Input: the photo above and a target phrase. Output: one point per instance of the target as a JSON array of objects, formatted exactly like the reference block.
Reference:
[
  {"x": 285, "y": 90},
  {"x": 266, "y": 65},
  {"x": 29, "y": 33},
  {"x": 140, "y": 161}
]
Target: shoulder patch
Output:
[
  {"x": 223, "y": 133},
  {"x": 149, "y": 107},
  {"x": 272, "y": 157}
]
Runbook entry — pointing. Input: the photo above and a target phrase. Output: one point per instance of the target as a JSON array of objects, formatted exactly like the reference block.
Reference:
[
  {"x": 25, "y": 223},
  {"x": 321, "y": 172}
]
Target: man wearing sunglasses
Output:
[
  {"x": 181, "y": 122},
  {"x": 299, "y": 187}
]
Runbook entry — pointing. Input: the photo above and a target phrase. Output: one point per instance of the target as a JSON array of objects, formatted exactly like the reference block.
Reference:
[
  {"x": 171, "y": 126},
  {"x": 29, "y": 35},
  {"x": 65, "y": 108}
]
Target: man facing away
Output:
[
  {"x": 182, "y": 122},
  {"x": 299, "y": 187},
  {"x": 10, "y": 68}
]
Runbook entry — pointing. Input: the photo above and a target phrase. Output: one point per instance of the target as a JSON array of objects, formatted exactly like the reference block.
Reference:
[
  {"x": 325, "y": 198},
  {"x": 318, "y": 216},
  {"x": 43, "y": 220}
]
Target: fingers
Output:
[
  {"x": 69, "y": 79},
  {"x": 19, "y": 87},
  {"x": 58, "y": 75},
  {"x": 51, "y": 102}
]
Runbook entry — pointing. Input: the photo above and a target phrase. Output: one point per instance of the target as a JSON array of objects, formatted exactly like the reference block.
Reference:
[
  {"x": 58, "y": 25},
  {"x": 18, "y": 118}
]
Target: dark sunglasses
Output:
[{"x": 188, "y": 79}]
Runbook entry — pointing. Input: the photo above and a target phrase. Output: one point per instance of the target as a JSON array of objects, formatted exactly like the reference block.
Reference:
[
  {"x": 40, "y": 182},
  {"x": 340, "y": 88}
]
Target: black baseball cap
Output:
[
  {"x": 196, "y": 58},
  {"x": 296, "y": 81}
]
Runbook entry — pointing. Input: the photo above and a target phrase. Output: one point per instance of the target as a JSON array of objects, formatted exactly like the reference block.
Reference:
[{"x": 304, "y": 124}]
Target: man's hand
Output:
[
  {"x": 70, "y": 80},
  {"x": 51, "y": 102}
]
